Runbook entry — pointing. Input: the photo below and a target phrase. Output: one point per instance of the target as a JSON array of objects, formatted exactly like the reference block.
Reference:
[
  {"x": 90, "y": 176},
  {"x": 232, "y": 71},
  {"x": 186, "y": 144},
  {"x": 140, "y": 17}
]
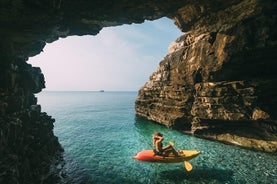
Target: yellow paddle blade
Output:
[
  {"x": 171, "y": 143},
  {"x": 188, "y": 166}
]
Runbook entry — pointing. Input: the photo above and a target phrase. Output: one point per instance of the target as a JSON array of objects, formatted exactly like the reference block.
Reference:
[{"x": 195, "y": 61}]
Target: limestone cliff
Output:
[
  {"x": 219, "y": 80},
  {"x": 218, "y": 76}
]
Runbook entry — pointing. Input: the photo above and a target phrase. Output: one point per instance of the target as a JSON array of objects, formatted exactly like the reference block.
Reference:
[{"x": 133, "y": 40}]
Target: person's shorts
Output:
[{"x": 160, "y": 153}]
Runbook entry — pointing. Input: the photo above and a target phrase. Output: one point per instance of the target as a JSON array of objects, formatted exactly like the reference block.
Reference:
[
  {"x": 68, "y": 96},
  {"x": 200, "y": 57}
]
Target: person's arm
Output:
[
  {"x": 154, "y": 139},
  {"x": 160, "y": 139},
  {"x": 158, "y": 143}
]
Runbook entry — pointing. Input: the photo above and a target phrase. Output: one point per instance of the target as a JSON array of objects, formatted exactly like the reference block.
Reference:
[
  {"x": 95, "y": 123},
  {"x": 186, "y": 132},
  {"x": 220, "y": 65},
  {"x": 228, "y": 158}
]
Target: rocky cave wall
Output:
[{"x": 218, "y": 76}]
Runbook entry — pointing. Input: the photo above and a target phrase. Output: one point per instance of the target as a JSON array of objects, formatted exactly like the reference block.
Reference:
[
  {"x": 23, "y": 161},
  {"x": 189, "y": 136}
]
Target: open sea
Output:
[{"x": 100, "y": 133}]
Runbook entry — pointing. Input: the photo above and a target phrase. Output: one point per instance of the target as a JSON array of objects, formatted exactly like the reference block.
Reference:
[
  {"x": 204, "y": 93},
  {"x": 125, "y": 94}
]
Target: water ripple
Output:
[{"x": 100, "y": 134}]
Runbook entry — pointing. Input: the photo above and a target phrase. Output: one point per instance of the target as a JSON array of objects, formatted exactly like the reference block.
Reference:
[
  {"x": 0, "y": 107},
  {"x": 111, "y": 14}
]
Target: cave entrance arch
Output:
[
  {"x": 64, "y": 68},
  {"x": 147, "y": 43}
]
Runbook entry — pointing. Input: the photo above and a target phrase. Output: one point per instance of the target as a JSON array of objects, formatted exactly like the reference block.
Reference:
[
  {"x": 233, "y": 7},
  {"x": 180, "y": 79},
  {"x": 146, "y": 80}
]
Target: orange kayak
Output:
[{"x": 149, "y": 156}]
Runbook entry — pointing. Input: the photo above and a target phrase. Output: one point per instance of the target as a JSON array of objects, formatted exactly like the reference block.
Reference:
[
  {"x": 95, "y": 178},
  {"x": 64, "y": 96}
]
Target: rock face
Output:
[
  {"x": 218, "y": 81},
  {"x": 28, "y": 147}
]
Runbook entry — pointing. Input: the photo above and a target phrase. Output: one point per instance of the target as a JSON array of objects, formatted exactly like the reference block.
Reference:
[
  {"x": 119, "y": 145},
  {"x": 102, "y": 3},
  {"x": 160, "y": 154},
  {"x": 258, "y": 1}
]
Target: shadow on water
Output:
[{"x": 198, "y": 174}]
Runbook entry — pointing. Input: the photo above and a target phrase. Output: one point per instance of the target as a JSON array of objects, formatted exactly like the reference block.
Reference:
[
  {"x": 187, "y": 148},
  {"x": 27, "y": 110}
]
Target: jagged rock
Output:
[
  {"x": 218, "y": 76},
  {"x": 220, "y": 70}
]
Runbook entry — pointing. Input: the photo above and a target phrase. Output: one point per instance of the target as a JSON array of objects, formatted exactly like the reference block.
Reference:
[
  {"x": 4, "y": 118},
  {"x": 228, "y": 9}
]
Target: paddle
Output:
[
  {"x": 188, "y": 166},
  {"x": 171, "y": 143}
]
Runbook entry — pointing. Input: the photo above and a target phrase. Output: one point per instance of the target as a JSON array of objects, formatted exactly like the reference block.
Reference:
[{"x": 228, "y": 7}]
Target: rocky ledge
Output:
[{"x": 219, "y": 79}]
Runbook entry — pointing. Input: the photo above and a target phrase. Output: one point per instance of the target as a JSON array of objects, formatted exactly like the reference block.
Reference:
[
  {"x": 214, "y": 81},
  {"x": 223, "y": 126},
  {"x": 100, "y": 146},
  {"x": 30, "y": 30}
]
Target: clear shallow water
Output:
[{"x": 100, "y": 134}]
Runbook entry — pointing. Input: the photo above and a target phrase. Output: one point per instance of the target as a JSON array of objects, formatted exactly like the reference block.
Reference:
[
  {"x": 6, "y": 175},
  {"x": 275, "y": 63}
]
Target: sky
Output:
[{"x": 120, "y": 58}]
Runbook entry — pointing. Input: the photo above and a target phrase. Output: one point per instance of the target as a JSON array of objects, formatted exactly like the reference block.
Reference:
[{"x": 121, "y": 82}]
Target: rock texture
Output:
[
  {"x": 29, "y": 151},
  {"x": 28, "y": 147},
  {"x": 217, "y": 82}
]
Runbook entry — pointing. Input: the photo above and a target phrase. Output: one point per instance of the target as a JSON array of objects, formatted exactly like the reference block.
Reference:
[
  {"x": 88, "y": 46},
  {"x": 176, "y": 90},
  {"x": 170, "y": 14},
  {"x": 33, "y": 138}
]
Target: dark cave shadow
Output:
[{"x": 198, "y": 174}]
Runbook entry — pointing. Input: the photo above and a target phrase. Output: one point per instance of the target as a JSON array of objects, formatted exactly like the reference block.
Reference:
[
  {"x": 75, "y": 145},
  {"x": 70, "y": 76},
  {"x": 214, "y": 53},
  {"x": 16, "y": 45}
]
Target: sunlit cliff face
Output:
[{"x": 216, "y": 83}]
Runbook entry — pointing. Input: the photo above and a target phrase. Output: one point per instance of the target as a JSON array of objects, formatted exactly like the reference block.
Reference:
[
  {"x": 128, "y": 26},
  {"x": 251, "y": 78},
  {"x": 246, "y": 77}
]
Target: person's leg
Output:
[
  {"x": 174, "y": 151},
  {"x": 168, "y": 149}
]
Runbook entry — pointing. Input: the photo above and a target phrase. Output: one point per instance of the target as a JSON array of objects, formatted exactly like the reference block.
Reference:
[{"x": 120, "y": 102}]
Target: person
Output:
[{"x": 158, "y": 144}]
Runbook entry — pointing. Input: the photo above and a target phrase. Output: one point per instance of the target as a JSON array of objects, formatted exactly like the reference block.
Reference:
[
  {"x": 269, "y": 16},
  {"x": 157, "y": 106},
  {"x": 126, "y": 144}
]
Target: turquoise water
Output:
[{"x": 100, "y": 134}]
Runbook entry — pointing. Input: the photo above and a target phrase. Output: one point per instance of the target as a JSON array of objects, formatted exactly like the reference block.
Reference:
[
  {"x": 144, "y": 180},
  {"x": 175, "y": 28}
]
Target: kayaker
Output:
[{"x": 159, "y": 149}]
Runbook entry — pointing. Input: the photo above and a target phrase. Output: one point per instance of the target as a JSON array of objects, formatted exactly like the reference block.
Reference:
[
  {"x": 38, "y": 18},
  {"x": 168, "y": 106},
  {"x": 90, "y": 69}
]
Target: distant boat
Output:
[{"x": 101, "y": 90}]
